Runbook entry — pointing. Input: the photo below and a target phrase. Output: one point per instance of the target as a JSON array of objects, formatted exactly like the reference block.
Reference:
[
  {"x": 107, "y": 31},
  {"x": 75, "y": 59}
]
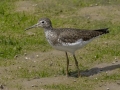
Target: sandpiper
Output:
[{"x": 68, "y": 39}]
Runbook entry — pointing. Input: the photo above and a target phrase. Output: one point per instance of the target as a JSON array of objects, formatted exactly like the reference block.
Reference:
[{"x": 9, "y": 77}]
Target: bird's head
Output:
[{"x": 43, "y": 22}]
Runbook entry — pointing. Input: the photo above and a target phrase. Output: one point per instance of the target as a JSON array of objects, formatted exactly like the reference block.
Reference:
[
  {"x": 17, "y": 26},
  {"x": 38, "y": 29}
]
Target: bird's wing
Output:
[{"x": 73, "y": 35}]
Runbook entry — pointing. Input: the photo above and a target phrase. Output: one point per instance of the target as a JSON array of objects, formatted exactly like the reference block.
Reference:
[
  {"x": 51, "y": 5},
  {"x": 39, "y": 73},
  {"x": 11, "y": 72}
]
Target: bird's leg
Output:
[
  {"x": 67, "y": 71},
  {"x": 76, "y": 63}
]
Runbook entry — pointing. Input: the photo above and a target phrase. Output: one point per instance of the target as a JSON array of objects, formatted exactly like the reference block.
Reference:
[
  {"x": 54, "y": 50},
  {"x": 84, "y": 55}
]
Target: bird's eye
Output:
[{"x": 42, "y": 21}]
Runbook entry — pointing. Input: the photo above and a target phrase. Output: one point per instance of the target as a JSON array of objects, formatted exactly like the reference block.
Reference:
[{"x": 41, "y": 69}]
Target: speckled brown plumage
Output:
[{"x": 69, "y": 35}]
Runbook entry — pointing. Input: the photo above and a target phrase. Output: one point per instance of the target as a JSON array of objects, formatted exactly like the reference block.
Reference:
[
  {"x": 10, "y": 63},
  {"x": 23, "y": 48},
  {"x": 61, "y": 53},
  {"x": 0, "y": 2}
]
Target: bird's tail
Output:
[{"x": 103, "y": 31}]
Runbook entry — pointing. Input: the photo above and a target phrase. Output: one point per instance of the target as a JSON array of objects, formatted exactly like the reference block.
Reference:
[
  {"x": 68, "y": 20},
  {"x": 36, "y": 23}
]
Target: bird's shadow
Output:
[{"x": 94, "y": 71}]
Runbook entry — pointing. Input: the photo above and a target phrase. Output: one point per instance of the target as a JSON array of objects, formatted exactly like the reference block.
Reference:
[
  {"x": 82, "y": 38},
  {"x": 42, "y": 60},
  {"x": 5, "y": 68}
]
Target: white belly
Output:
[{"x": 71, "y": 47}]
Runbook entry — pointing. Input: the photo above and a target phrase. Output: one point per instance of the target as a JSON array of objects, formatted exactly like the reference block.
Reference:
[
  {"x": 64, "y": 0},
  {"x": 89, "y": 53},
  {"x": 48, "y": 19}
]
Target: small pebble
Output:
[
  {"x": 25, "y": 54},
  {"x": 108, "y": 88},
  {"x": 34, "y": 5},
  {"x": 95, "y": 56},
  {"x": 106, "y": 43},
  {"x": 19, "y": 67},
  {"x": 88, "y": 17},
  {"x": 26, "y": 58},
  {"x": 96, "y": 4},
  {"x": 34, "y": 61},
  {"x": 32, "y": 85},
  {"x": 113, "y": 62},
  {"x": 30, "y": 34},
  {"x": 37, "y": 56},
  {"x": 96, "y": 78},
  {"x": 91, "y": 5},
  {"x": 74, "y": 80}
]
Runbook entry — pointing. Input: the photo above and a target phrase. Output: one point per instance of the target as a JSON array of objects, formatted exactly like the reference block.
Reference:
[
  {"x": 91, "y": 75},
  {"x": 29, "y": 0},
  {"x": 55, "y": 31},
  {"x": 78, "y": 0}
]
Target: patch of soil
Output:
[
  {"x": 101, "y": 12},
  {"x": 49, "y": 81},
  {"x": 27, "y": 6},
  {"x": 41, "y": 56},
  {"x": 109, "y": 86}
]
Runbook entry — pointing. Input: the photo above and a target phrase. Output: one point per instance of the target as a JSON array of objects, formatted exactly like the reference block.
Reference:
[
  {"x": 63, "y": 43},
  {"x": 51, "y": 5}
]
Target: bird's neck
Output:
[{"x": 48, "y": 28}]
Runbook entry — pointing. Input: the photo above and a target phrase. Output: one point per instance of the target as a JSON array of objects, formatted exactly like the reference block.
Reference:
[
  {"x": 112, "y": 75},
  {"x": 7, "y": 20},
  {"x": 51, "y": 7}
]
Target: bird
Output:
[{"x": 68, "y": 39}]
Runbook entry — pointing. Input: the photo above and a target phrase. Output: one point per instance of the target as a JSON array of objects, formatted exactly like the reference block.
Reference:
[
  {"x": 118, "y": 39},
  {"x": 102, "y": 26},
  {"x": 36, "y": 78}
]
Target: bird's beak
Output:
[{"x": 34, "y": 26}]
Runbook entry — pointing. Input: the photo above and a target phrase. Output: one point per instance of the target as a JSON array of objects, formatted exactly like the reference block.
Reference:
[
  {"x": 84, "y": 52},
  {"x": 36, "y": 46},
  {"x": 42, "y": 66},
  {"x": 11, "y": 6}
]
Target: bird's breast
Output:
[{"x": 51, "y": 37}]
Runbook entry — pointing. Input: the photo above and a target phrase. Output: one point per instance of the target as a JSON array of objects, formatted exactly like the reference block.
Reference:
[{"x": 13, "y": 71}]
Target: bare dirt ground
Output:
[
  {"x": 34, "y": 83},
  {"x": 26, "y": 6},
  {"x": 94, "y": 72},
  {"x": 101, "y": 12}
]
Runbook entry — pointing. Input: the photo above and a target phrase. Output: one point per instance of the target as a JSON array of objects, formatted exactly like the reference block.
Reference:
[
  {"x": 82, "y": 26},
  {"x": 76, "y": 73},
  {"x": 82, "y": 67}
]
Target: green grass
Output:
[{"x": 14, "y": 40}]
